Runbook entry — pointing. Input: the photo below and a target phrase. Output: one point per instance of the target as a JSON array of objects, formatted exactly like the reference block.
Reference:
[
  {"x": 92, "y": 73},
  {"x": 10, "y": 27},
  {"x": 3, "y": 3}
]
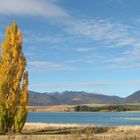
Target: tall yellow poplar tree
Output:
[{"x": 13, "y": 82}]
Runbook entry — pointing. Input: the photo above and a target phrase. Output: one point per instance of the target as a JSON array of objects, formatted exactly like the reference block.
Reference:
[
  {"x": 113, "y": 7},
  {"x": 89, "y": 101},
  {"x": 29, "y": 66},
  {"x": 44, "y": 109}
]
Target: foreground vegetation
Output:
[
  {"x": 106, "y": 108},
  {"x": 13, "y": 82},
  {"x": 42, "y": 131}
]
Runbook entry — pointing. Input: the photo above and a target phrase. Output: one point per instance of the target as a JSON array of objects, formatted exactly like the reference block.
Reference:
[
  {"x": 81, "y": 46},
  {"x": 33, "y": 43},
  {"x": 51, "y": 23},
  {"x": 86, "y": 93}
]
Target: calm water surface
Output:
[{"x": 111, "y": 118}]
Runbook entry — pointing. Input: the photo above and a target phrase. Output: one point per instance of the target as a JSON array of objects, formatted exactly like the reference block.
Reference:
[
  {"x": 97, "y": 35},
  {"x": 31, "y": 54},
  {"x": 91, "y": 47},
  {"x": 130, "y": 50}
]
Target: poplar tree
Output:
[{"x": 13, "y": 82}]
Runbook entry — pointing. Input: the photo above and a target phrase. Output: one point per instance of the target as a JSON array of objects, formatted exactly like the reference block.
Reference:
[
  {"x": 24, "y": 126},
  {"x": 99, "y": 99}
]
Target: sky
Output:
[{"x": 78, "y": 45}]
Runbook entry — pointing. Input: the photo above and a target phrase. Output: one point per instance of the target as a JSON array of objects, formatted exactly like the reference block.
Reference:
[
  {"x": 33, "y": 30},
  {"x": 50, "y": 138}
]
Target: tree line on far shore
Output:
[{"x": 106, "y": 108}]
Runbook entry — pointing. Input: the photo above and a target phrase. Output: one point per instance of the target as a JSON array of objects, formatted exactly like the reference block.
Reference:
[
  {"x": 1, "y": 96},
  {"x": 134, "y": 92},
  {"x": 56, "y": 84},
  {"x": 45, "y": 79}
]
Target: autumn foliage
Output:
[{"x": 13, "y": 82}]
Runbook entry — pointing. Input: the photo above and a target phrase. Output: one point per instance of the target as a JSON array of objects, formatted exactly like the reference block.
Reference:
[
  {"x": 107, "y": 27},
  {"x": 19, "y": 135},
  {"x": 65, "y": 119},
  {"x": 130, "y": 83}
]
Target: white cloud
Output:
[
  {"x": 128, "y": 59},
  {"x": 72, "y": 85},
  {"x": 133, "y": 83},
  {"x": 44, "y": 38},
  {"x": 47, "y": 66},
  {"x": 124, "y": 84},
  {"x": 84, "y": 49},
  {"x": 112, "y": 34},
  {"x": 31, "y": 8},
  {"x": 119, "y": 60}
]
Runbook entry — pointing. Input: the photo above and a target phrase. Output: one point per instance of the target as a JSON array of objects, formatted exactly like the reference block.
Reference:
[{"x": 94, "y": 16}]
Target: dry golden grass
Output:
[
  {"x": 57, "y": 108},
  {"x": 43, "y": 131},
  {"x": 126, "y": 129},
  {"x": 93, "y": 105}
]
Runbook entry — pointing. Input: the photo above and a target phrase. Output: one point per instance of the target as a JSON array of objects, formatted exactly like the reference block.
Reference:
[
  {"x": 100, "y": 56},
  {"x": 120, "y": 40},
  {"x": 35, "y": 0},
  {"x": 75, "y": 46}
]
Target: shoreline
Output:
[
  {"x": 40, "y": 124},
  {"x": 81, "y": 111},
  {"x": 70, "y": 108}
]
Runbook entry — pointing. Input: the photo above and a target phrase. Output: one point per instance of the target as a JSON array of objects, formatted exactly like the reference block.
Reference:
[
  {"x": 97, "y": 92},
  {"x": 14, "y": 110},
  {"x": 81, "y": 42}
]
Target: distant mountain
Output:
[
  {"x": 41, "y": 99},
  {"x": 74, "y": 98},
  {"x": 133, "y": 98},
  {"x": 71, "y": 97}
]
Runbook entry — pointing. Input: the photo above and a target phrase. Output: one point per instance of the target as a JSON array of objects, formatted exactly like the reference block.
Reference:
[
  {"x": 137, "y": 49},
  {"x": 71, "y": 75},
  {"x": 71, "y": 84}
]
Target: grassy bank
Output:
[
  {"x": 54, "y": 108},
  {"x": 42, "y": 131}
]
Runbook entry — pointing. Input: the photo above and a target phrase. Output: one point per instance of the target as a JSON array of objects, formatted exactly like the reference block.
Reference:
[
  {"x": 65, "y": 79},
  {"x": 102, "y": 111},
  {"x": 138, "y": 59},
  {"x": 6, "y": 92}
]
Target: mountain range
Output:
[{"x": 81, "y": 97}]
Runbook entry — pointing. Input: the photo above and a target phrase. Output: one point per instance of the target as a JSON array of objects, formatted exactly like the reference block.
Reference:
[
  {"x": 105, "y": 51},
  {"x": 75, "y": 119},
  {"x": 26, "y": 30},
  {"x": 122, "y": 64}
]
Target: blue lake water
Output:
[{"x": 111, "y": 118}]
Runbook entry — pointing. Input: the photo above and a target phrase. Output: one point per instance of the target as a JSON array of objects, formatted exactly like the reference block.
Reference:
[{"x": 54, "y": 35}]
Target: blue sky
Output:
[{"x": 82, "y": 45}]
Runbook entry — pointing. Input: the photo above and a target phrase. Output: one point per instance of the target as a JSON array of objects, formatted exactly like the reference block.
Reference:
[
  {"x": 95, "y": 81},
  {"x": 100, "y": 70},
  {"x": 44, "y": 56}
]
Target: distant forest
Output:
[{"x": 106, "y": 108}]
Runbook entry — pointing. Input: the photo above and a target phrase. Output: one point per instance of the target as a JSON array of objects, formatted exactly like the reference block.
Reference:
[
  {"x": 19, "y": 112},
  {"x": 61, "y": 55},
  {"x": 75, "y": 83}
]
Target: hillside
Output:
[
  {"x": 74, "y": 98},
  {"x": 71, "y": 98},
  {"x": 134, "y": 98}
]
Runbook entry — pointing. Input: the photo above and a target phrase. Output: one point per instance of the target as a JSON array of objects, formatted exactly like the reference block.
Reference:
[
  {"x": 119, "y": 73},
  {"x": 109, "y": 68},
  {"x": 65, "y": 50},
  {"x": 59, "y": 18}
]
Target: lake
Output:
[{"x": 109, "y": 118}]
